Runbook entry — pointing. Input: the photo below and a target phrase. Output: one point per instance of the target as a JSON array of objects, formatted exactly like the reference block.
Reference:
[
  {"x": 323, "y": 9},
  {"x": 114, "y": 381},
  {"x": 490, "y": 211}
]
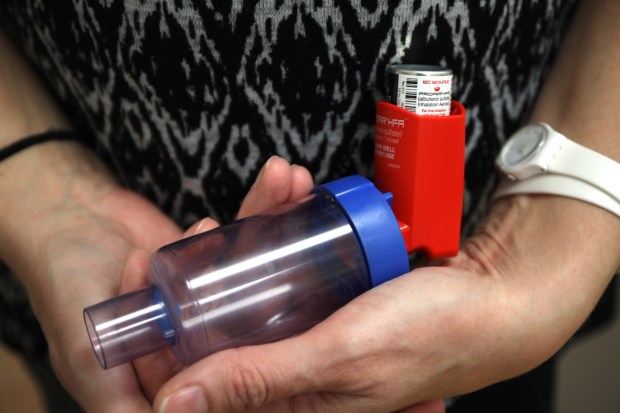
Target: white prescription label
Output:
[{"x": 425, "y": 95}]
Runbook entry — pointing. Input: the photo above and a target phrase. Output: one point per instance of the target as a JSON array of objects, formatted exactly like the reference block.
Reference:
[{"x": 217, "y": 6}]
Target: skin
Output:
[{"x": 518, "y": 290}]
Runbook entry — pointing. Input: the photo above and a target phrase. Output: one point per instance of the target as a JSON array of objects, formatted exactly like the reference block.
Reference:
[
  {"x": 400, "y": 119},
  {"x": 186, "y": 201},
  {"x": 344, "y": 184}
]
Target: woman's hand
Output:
[
  {"x": 517, "y": 292},
  {"x": 277, "y": 183},
  {"x": 67, "y": 231}
]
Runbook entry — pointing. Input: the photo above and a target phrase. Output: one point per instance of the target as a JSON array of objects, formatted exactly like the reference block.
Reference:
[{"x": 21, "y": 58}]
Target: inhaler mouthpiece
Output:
[{"x": 129, "y": 326}]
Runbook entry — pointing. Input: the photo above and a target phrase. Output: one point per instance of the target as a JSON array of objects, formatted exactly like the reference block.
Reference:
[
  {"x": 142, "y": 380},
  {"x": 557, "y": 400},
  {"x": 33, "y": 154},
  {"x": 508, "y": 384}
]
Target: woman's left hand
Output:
[{"x": 515, "y": 294}]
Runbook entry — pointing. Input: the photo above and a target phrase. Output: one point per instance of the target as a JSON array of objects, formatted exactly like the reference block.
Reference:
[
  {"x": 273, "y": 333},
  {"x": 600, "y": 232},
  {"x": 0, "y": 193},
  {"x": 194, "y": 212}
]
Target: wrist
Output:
[
  {"x": 549, "y": 260},
  {"x": 538, "y": 160},
  {"x": 554, "y": 242},
  {"x": 41, "y": 185},
  {"x": 532, "y": 227}
]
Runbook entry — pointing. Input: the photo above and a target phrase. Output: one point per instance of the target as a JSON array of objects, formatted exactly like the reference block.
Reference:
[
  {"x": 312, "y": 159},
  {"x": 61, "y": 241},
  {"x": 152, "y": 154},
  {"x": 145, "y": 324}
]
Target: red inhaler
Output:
[{"x": 421, "y": 160}]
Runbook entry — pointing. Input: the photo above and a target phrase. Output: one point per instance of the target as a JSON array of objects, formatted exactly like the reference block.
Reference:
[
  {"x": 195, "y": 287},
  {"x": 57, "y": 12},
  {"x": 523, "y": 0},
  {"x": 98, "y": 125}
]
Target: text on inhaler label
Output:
[
  {"x": 424, "y": 95},
  {"x": 389, "y": 132}
]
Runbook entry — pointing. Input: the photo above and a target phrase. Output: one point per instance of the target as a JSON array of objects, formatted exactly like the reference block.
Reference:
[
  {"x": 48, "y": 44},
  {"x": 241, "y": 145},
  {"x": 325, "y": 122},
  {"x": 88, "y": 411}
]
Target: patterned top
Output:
[{"x": 185, "y": 99}]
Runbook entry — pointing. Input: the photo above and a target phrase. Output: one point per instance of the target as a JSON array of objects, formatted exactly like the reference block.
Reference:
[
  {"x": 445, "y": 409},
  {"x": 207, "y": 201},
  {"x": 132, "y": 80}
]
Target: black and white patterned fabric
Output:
[{"x": 186, "y": 99}]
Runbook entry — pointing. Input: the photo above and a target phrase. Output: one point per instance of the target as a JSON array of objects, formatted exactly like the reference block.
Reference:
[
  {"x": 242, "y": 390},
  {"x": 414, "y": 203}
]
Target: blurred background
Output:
[{"x": 589, "y": 376}]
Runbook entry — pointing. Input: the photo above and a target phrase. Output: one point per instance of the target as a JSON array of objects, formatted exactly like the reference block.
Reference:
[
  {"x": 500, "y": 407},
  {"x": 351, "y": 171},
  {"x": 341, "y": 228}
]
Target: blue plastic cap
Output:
[{"x": 375, "y": 225}]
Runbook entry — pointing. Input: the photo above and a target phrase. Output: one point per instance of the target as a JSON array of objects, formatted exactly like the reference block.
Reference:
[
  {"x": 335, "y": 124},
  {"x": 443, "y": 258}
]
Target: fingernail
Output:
[
  {"x": 187, "y": 400},
  {"x": 263, "y": 169},
  {"x": 200, "y": 225}
]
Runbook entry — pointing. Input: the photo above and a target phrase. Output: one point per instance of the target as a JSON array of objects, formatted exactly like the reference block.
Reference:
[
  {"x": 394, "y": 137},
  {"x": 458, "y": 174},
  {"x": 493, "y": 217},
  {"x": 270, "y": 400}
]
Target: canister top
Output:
[{"x": 419, "y": 70}]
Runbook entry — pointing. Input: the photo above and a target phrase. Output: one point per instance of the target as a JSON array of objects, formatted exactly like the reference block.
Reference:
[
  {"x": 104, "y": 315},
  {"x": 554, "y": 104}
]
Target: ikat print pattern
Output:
[{"x": 187, "y": 99}]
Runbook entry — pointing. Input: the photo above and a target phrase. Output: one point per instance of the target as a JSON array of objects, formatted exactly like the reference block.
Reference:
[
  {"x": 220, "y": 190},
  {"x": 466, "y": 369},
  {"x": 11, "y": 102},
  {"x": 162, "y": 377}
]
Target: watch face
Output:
[{"x": 523, "y": 145}]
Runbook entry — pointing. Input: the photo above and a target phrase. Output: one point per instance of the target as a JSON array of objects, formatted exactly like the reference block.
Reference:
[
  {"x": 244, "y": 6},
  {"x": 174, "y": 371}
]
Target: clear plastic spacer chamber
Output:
[{"x": 256, "y": 280}]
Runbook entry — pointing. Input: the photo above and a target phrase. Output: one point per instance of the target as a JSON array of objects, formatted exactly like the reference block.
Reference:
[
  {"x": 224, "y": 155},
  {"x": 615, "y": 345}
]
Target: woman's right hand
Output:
[{"x": 67, "y": 230}]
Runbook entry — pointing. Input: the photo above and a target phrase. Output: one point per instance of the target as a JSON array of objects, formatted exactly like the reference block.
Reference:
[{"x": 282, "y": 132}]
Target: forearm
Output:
[
  {"x": 580, "y": 98},
  {"x": 555, "y": 253},
  {"x": 25, "y": 106},
  {"x": 41, "y": 179}
]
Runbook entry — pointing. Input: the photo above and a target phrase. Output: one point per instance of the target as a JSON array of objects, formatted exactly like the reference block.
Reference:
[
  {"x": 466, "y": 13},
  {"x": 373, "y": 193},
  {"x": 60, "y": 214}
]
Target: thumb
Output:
[{"x": 239, "y": 380}]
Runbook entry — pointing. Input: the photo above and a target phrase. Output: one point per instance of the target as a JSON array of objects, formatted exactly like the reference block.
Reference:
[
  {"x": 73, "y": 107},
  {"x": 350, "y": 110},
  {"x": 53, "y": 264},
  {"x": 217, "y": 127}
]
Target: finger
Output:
[
  {"x": 115, "y": 394},
  {"x": 432, "y": 406},
  {"x": 106, "y": 391},
  {"x": 134, "y": 273},
  {"x": 302, "y": 183},
  {"x": 154, "y": 370},
  {"x": 201, "y": 226},
  {"x": 272, "y": 188},
  {"x": 297, "y": 374},
  {"x": 239, "y": 380}
]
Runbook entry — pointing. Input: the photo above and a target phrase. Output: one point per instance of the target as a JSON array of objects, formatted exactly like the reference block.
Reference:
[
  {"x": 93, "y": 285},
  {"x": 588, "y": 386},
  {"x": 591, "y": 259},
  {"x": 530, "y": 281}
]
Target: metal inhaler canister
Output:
[{"x": 425, "y": 90}]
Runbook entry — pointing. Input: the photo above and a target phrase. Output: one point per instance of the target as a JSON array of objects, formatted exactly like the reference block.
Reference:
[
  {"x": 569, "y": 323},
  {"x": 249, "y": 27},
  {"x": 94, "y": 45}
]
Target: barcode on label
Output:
[{"x": 411, "y": 94}]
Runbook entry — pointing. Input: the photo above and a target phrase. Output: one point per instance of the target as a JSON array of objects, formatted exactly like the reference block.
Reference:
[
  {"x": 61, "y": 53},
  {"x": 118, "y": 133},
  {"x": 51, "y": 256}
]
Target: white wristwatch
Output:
[{"x": 537, "y": 159}]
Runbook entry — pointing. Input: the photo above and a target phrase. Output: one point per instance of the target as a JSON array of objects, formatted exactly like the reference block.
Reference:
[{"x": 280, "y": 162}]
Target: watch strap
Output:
[
  {"x": 586, "y": 165},
  {"x": 559, "y": 185}
]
